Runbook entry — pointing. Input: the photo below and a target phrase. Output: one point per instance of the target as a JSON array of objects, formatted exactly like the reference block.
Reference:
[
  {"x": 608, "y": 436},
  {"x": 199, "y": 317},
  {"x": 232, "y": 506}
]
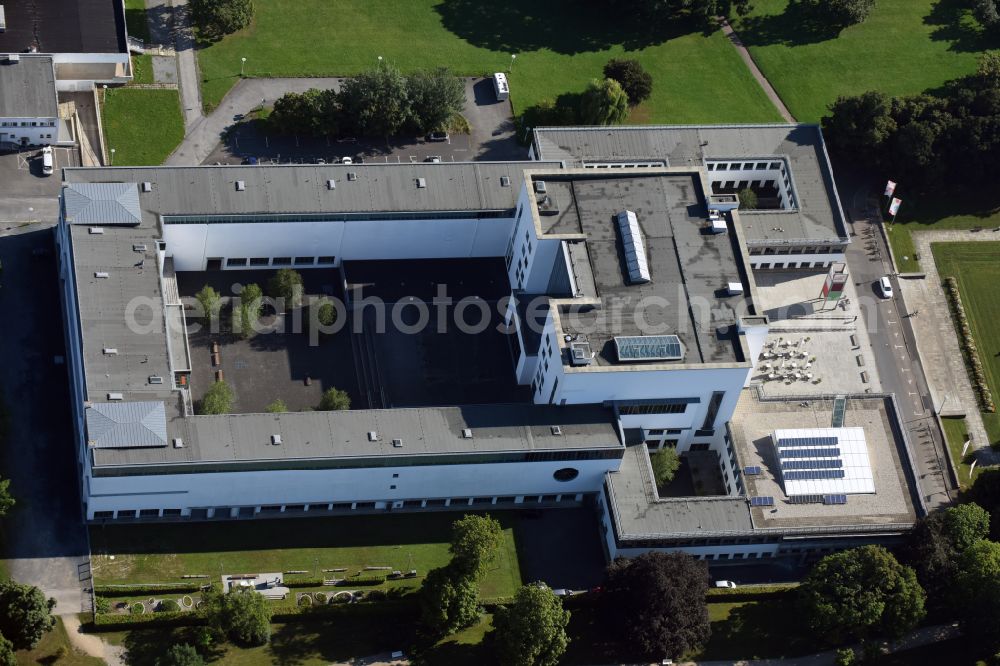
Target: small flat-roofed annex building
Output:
[
  {"x": 29, "y": 108},
  {"x": 86, "y": 39},
  {"x": 799, "y": 222}
]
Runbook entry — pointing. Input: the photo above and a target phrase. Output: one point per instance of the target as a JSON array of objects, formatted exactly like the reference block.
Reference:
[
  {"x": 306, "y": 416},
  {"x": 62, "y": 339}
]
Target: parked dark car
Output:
[{"x": 437, "y": 136}]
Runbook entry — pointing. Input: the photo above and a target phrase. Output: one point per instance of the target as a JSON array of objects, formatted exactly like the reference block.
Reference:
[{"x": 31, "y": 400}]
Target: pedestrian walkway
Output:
[
  {"x": 937, "y": 340},
  {"x": 769, "y": 90},
  {"x": 169, "y": 24}
]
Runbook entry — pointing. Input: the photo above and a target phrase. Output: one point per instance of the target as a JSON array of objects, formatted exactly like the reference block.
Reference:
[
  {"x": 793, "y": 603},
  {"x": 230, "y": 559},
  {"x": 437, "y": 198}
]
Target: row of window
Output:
[
  {"x": 337, "y": 217},
  {"x": 27, "y": 123},
  {"x": 236, "y": 262},
  {"x": 744, "y": 166},
  {"x": 654, "y": 408},
  {"x": 795, "y": 264},
  {"x": 797, "y": 249}
]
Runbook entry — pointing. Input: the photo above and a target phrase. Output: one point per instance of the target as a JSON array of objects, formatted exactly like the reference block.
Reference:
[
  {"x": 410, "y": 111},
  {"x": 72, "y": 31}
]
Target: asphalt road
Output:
[{"x": 894, "y": 346}]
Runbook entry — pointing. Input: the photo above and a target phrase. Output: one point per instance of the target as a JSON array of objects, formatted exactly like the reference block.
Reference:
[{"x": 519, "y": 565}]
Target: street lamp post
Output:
[
  {"x": 513, "y": 57},
  {"x": 112, "y": 157},
  {"x": 243, "y": 62},
  {"x": 380, "y": 61}
]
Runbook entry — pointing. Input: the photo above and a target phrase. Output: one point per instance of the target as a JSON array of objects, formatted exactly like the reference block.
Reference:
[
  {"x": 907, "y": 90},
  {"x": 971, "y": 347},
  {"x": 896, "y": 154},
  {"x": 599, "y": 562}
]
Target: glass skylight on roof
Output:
[
  {"x": 635, "y": 247},
  {"x": 649, "y": 348}
]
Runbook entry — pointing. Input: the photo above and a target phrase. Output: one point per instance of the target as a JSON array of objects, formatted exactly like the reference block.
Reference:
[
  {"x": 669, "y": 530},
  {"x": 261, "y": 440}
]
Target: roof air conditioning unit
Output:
[
  {"x": 352, "y": 176},
  {"x": 466, "y": 433},
  {"x": 557, "y": 431},
  {"x": 372, "y": 436},
  {"x": 139, "y": 247},
  {"x": 540, "y": 187},
  {"x": 580, "y": 353},
  {"x": 14, "y": 58},
  {"x": 155, "y": 379},
  {"x": 116, "y": 396},
  {"x": 96, "y": 230},
  {"x": 397, "y": 443},
  {"x": 102, "y": 275},
  {"x": 504, "y": 181},
  {"x": 147, "y": 186},
  {"x": 178, "y": 443},
  {"x": 110, "y": 351},
  {"x": 275, "y": 440},
  {"x": 734, "y": 288},
  {"x": 331, "y": 184},
  {"x": 241, "y": 185},
  {"x": 421, "y": 183}
]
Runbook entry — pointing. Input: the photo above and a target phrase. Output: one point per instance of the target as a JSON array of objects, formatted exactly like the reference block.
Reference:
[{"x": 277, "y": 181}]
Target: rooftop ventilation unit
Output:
[
  {"x": 147, "y": 186},
  {"x": 635, "y": 247},
  {"x": 466, "y": 433},
  {"x": 734, "y": 288},
  {"x": 116, "y": 396},
  {"x": 649, "y": 348},
  {"x": 580, "y": 353},
  {"x": 139, "y": 247},
  {"x": 556, "y": 431},
  {"x": 504, "y": 181},
  {"x": 110, "y": 351},
  {"x": 372, "y": 436},
  {"x": 397, "y": 443},
  {"x": 547, "y": 206},
  {"x": 331, "y": 184},
  {"x": 102, "y": 275},
  {"x": 96, "y": 230},
  {"x": 352, "y": 176},
  {"x": 718, "y": 222},
  {"x": 154, "y": 379},
  {"x": 241, "y": 185},
  {"x": 540, "y": 187},
  {"x": 178, "y": 443},
  {"x": 421, "y": 183},
  {"x": 14, "y": 58},
  {"x": 275, "y": 440}
]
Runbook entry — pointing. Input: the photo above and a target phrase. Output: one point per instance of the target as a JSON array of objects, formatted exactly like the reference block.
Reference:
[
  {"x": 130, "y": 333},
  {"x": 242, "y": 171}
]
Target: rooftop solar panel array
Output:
[
  {"x": 808, "y": 453},
  {"x": 820, "y": 463},
  {"x": 761, "y": 501},
  {"x": 828, "y": 463},
  {"x": 815, "y": 474}
]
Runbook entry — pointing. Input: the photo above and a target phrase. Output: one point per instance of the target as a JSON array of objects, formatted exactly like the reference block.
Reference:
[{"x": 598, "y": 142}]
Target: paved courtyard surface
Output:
[
  {"x": 937, "y": 340},
  {"x": 26, "y": 196}
]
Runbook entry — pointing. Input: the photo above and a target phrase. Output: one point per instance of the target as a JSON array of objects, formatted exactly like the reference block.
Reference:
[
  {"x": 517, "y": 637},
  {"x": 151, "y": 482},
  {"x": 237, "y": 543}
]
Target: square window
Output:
[
  {"x": 281, "y": 261},
  {"x": 305, "y": 261},
  {"x": 237, "y": 261},
  {"x": 327, "y": 260},
  {"x": 259, "y": 261}
]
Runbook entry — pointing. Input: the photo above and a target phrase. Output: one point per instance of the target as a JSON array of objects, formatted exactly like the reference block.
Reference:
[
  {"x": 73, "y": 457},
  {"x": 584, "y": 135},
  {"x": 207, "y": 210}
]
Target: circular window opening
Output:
[{"x": 566, "y": 474}]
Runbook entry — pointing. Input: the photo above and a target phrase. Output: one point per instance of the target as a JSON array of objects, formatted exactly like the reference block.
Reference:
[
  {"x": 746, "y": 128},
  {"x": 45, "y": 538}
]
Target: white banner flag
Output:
[
  {"x": 894, "y": 206},
  {"x": 890, "y": 187}
]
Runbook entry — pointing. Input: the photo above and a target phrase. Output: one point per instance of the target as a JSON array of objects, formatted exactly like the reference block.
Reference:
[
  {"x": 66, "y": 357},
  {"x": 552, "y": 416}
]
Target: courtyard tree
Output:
[
  {"x": 180, "y": 654},
  {"x": 312, "y": 113},
  {"x": 532, "y": 630},
  {"x": 25, "y": 614},
  {"x": 247, "y": 315},
  {"x": 859, "y": 593},
  {"x": 211, "y": 303},
  {"x": 376, "y": 102},
  {"x": 334, "y": 400},
  {"x": 665, "y": 597},
  {"x": 666, "y": 10},
  {"x": 7, "y": 501},
  {"x": 217, "y": 18},
  {"x": 286, "y": 286},
  {"x": 475, "y": 542},
  {"x": 987, "y": 12},
  {"x": 603, "y": 103},
  {"x": 327, "y": 313},
  {"x": 979, "y": 590},
  {"x": 449, "y": 600},
  {"x": 844, "y": 12},
  {"x": 276, "y": 407},
  {"x": 665, "y": 463},
  {"x": 748, "y": 199},
  {"x": 985, "y": 492},
  {"x": 435, "y": 96},
  {"x": 633, "y": 78},
  {"x": 218, "y": 399},
  {"x": 7, "y": 655},
  {"x": 242, "y": 615}
]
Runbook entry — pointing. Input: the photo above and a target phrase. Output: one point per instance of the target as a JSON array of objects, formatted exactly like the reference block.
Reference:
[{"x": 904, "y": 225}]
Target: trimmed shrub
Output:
[
  {"x": 137, "y": 608},
  {"x": 975, "y": 366},
  {"x": 361, "y": 580},
  {"x": 143, "y": 589},
  {"x": 305, "y": 600},
  {"x": 102, "y": 605},
  {"x": 115, "y": 621},
  {"x": 302, "y": 582},
  {"x": 168, "y": 606}
]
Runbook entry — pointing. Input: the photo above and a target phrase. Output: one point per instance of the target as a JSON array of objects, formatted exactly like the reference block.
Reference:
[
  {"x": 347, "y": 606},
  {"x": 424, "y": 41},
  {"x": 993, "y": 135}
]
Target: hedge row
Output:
[
  {"x": 979, "y": 382},
  {"x": 361, "y": 580},
  {"x": 114, "y": 621},
  {"x": 750, "y": 592},
  {"x": 143, "y": 589},
  {"x": 303, "y": 582}
]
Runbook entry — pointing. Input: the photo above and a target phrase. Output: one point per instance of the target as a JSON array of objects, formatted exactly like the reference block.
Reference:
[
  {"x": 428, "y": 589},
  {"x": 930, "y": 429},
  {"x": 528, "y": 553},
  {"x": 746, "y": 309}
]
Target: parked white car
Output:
[
  {"x": 48, "y": 161},
  {"x": 726, "y": 584},
  {"x": 885, "y": 287}
]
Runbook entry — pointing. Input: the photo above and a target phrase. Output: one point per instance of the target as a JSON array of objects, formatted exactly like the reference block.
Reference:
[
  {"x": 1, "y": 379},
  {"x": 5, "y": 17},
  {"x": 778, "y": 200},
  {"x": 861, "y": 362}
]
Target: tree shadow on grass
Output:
[
  {"x": 566, "y": 27},
  {"x": 953, "y": 22},
  {"x": 801, "y": 23},
  {"x": 345, "y": 637},
  {"x": 144, "y": 647},
  {"x": 758, "y": 630}
]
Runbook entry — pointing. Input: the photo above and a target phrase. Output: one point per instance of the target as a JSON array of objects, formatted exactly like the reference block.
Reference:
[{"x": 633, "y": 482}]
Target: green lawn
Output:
[
  {"x": 54, "y": 643},
  {"x": 905, "y": 47},
  {"x": 142, "y": 69},
  {"x": 956, "y": 434},
  {"x": 128, "y": 115},
  {"x": 560, "y": 45},
  {"x": 959, "y": 210},
  {"x": 754, "y": 630},
  {"x": 135, "y": 19},
  {"x": 163, "y": 553},
  {"x": 977, "y": 269}
]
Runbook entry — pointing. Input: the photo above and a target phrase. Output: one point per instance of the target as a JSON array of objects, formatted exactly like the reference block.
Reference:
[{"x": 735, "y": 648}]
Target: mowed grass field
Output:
[
  {"x": 146, "y": 553},
  {"x": 143, "y": 126},
  {"x": 905, "y": 47},
  {"x": 560, "y": 45},
  {"x": 957, "y": 211},
  {"x": 977, "y": 269}
]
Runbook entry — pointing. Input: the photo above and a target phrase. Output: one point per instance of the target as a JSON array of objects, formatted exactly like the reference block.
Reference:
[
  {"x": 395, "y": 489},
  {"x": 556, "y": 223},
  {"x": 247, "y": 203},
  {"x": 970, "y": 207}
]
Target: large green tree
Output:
[
  {"x": 668, "y": 10},
  {"x": 216, "y": 18},
  {"x": 435, "y": 96},
  {"x": 180, "y": 654},
  {"x": 376, "y": 102},
  {"x": 7, "y": 655},
  {"x": 218, "y": 399},
  {"x": 633, "y": 78},
  {"x": 532, "y": 630},
  {"x": 475, "y": 542},
  {"x": 210, "y": 302},
  {"x": 25, "y": 614},
  {"x": 985, "y": 492},
  {"x": 979, "y": 590},
  {"x": 286, "y": 285},
  {"x": 665, "y": 463},
  {"x": 844, "y": 12},
  {"x": 242, "y": 615},
  {"x": 656, "y": 603},
  {"x": 449, "y": 600},
  {"x": 333, "y": 400},
  {"x": 603, "y": 103},
  {"x": 312, "y": 113},
  {"x": 859, "y": 593},
  {"x": 7, "y": 501}
]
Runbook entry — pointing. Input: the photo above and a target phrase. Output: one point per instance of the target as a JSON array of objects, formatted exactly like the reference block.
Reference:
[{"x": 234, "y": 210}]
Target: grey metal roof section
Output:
[
  {"x": 125, "y": 425},
  {"x": 28, "y": 87},
  {"x": 819, "y": 216},
  {"x": 98, "y": 204},
  {"x": 379, "y": 188},
  {"x": 246, "y": 438},
  {"x": 64, "y": 26}
]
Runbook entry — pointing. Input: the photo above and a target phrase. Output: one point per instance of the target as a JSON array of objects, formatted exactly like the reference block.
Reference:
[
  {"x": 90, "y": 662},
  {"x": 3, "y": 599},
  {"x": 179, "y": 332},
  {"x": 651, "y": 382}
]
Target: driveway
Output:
[
  {"x": 46, "y": 542},
  {"x": 26, "y": 196},
  {"x": 222, "y": 138}
]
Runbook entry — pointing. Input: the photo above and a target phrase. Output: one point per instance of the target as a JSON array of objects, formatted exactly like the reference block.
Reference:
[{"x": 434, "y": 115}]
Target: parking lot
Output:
[
  {"x": 491, "y": 138},
  {"x": 26, "y": 195}
]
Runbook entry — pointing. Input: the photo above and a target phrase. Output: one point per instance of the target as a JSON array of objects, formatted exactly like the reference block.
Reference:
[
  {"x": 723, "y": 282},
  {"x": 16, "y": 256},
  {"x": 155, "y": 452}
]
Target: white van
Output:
[
  {"x": 48, "y": 163},
  {"x": 500, "y": 86}
]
